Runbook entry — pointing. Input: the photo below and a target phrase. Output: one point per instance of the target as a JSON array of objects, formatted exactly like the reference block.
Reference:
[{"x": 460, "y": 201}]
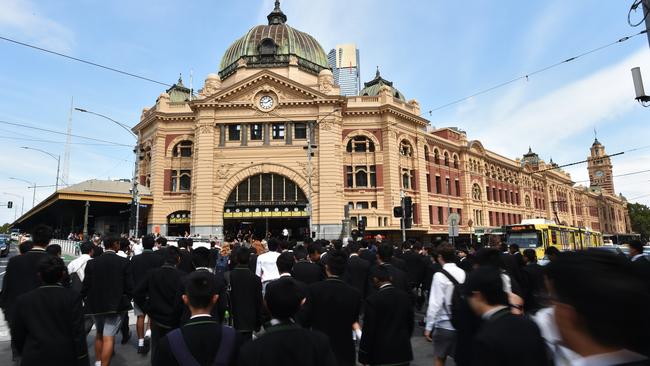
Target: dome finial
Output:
[
  {"x": 378, "y": 74},
  {"x": 277, "y": 17}
]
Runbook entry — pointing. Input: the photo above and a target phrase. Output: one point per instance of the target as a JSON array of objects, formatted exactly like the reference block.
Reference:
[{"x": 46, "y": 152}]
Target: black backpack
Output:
[{"x": 457, "y": 298}]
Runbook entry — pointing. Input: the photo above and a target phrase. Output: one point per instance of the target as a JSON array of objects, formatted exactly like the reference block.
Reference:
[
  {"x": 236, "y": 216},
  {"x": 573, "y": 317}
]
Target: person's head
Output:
[
  {"x": 125, "y": 245},
  {"x": 285, "y": 262},
  {"x": 111, "y": 243},
  {"x": 243, "y": 256},
  {"x": 53, "y": 249},
  {"x": 148, "y": 242},
  {"x": 599, "y": 302},
  {"x": 51, "y": 269},
  {"x": 489, "y": 257},
  {"x": 25, "y": 246},
  {"x": 41, "y": 235},
  {"x": 283, "y": 299},
  {"x": 446, "y": 254},
  {"x": 503, "y": 247},
  {"x": 300, "y": 253},
  {"x": 552, "y": 253},
  {"x": 201, "y": 257},
  {"x": 274, "y": 245},
  {"x": 379, "y": 275},
  {"x": 353, "y": 247},
  {"x": 385, "y": 252},
  {"x": 530, "y": 256},
  {"x": 363, "y": 243},
  {"x": 86, "y": 247},
  {"x": 462, "y": 252},
  {"x": 417, "y": 246},
  {"x": 484, "y": 289},
  {"x": 513, "y": 248},
  {"x": 161, "y": 241},
  {"x": 315, "y": 250},
  {"x": 336, "y": 263},
  {"x": 201, "y": 292},
  {"x": 636, "y": 247},
  {"x": 181, "y": 243},
  {"x": 337, "y": 244},
  {"x": 172, "y": 255}
]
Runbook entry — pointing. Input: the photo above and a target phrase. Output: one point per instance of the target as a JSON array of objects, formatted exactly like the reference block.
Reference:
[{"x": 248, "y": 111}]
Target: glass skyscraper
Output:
[{"x": 344, "y": 61}]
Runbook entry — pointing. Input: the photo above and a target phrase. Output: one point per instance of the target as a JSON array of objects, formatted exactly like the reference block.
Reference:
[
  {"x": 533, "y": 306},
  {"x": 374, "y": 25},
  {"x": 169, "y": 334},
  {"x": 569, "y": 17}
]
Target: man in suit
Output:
[
  {"x": 158, "y": 296},
  {"x": 366, "y": 253},
  {"x": 397, "y": 276},
  {"x": 245, "y": 296},
  {"x": 185, "y": 245},
  {"x": 504, "y": 339},
  {"x": 201, "y": 263},
  {"x": 534, "y": 280},
  {"x": 387, "y": 324},
  {"x": 588, "y": 284},
  {"x": 141, "y": 264},
  {"x": 413, "y": 264},
  {"x": 286, "y": 343},
  {"x": 203, "y": 340},
  {"x": 48, "y": 322},
  {"x": 107, "y": 290},
  {"x": 640, "y": 263},
  {"x": 333, "y": 307},
  {"x": 356, "y": 273},
  {"x": 304, "y": 270}
]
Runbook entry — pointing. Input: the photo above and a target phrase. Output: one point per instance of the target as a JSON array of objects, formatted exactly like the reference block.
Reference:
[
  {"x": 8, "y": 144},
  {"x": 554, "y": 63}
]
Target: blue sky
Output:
[{"x": 434, "y": 51}]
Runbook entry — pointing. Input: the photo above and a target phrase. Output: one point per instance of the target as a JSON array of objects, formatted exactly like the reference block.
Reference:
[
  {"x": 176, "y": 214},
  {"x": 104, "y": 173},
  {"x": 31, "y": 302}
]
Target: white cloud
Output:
[{"x": 22, "y": 18}]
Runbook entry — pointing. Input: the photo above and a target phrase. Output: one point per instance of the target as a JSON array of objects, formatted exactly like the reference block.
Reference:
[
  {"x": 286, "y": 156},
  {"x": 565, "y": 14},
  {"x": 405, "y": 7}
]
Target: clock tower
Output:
[{"x": 600, "y": 168}]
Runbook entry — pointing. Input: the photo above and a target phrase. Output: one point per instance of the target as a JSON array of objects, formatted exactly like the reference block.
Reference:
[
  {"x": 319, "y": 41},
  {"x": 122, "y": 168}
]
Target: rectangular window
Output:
[
  {"x": 278, "y": 131},
  {"x": 489, "y": 193},
  {"x": 349, "y": 177},
  {"x": 448, "y": 186},
  {"x": 495, "y": 198},
  {"x": 373, "y": 176},
  {"x": 406, "y": 179},
  {"x": 174, "y": 180},
  {"x": 257, "y": 132},
  {"x": 430, "y": 215},
  {"x": 457, "y": 183},
  {"x": 438, "y": 185},
  {"x": 185, "y": 180},
  {"x": 373, "y": 204},
  {"x": 507, "y": 196},
  {"x": 459, "y": 211},
  {"x": 360, "y": 177},
  {"x": 414, "y": 183},
  {"x": 428, "y": 182},
  {"x": 300, "y": 131},
  {"x": 441, "y": 219},
  {"x": 234, "y": 132},
  {"x": 362, "y": 205}
]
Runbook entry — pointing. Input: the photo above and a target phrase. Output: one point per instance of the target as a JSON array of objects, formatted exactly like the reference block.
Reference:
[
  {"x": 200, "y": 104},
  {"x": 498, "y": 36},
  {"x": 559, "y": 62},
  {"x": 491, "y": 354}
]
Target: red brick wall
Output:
[{"x": 167, "y": 180}]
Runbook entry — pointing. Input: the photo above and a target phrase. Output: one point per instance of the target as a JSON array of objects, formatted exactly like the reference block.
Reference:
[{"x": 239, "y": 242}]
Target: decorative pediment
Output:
[{"x": 247, "y": 90}]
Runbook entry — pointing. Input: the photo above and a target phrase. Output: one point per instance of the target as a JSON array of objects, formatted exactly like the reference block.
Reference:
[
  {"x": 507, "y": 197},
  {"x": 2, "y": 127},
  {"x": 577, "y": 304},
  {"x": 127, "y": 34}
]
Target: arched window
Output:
[
  {"x": 361, "y": 177},
  {"x": 476, "y": 192},
  {"x": 405, "y": 148},
  {"x": 360, "y": 144},
  {"x": 527, "y": 201},
  {"x": 426, "y": 153},
  {"x": 455, "y": 157},
  {"x": 446, "y": 158},
  {"x": 183, "y": 149},
  {"x": 436, "y": 156}
]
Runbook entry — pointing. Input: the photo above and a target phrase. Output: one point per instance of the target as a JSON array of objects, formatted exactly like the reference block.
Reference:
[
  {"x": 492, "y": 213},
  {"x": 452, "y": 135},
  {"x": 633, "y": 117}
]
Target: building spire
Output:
[
  {"x": 377, "y": 74},
  {"x": 277, "y": 17}
]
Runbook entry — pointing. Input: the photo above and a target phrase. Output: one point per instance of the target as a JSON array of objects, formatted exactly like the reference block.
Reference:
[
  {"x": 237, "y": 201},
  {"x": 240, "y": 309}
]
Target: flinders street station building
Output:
[{"x": 270, "y": 143}]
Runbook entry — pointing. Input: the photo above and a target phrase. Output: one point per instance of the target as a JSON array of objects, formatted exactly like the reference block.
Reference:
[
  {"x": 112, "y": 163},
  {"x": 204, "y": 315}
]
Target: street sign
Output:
[{"x": 453, "y": 221}]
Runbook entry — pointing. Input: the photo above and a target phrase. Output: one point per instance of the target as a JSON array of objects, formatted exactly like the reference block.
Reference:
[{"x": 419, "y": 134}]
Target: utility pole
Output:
[
  {"x": 646, "y": 14},
  {"x": 86, "y": 220},
  {"x": 403, "y": 219},
  {"x": 309, "y": 173}
]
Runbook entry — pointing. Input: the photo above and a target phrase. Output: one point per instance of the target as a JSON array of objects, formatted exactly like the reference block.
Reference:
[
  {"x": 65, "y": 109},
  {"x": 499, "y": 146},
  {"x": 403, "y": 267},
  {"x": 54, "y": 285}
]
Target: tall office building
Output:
[{"x": 344, "y": 61}]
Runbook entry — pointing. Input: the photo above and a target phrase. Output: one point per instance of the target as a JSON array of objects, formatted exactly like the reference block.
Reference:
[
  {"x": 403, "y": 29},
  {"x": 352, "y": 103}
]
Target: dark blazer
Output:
[
  {"x": 356, "y": 273},
  {"x": 368, "y": 255},
  {"x": 387, "y": 328},
  {"x": 509, "y": 340},
  {"x": 186, "y": 264},
  {"x": 398, "y": 279},
  {"x": 48, "y": 327},
  {"x": 414, "y": 267},
  {"x": 288, "y": 345},
  {"x": 219, "y": 310},
  {"x": 332, "y": 307},
  {"x": 399, "y": 263},
  {"x": 533, "y": 275},
  {"x": 108, "y": 284},
  {"x": 307, "y": 272},
  {"x": 202, "y": 336},
  {"x": 21, "y": 276},
  {"x": 158, "y": 295},
  {"x": 641, "y": 267},
  {"x": 141, "y": 264},
  {"x": 245, "y": 299}
]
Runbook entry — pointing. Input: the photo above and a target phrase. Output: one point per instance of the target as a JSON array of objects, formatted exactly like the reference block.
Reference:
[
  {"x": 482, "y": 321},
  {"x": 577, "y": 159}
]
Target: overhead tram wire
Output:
[
  {"x": 620, "y": 175},
  {"x": 528, "y": 75},
  {"x": 84, "y": 61},
  {"x": 61, "y": 133}
]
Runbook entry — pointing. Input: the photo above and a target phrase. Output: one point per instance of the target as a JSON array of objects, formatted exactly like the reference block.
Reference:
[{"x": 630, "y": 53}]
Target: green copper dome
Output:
[
  {"x": 273, "y": 45},
  {"x": 373, "y": 87}
]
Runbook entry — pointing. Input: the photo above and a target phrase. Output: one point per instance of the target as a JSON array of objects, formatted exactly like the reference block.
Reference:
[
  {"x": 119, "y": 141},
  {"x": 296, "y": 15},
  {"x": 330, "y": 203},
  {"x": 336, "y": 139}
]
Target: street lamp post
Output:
[
  {"x": 33, "y": 186},
  {"x": 55, "y": 157},
  {"x": 134, "y": 180}
]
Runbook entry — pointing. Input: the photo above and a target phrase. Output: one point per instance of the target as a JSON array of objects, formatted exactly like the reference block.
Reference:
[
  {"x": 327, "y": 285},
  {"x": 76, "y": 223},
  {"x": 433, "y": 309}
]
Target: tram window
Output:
[
  {"x": 525, "y": 239},
  {"x": 554, "y": 237}
]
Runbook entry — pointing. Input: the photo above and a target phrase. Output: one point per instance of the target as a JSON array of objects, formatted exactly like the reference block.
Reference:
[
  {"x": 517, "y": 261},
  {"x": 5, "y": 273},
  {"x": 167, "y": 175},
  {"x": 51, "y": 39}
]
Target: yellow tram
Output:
[{"x": 540, "y": 236}]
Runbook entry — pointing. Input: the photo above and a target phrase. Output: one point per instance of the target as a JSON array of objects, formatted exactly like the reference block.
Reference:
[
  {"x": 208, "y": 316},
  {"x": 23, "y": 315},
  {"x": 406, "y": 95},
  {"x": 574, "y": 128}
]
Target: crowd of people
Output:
[{"x": 278, "y": 302}]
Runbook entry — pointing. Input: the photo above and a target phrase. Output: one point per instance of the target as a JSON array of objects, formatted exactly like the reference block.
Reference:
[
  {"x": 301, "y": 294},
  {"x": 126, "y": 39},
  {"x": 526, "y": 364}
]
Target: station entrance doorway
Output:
[{"x": 263, "y": 205}]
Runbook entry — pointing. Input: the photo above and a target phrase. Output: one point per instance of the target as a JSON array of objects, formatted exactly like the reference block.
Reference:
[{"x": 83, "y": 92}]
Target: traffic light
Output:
[
  {"x": 408, "y": 207},
  {"x": 408, "y": 222},
  {"x": 397, "y": 211},
  {"x": 10, "y": 204}
]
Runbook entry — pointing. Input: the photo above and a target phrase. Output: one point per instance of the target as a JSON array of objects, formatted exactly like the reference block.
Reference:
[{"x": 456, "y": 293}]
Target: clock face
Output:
[
  {"x": 266, "y": 102},
  {"x": 599, "y": 173}
]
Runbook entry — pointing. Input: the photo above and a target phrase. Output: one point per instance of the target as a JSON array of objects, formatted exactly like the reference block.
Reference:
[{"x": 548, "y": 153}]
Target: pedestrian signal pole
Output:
[{"x": 403, "y": 219}]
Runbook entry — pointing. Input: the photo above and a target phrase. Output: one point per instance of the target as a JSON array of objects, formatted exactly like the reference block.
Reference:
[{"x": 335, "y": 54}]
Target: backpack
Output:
[
  {"x": 457, "y": 298},
  {"x": 185, "y": 358}
]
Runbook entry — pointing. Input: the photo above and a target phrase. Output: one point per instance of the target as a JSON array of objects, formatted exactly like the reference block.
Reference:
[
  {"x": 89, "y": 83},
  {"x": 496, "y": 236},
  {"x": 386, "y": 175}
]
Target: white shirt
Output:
[
  {"x": 267, "y": 269},
  {"x": 606, "y": 359},
  {"x": 438, "y": 311},
  {"x": 122, "y": 254},
  {"x": 545, "y": 319},
  {"x": 78, "y": 266}
]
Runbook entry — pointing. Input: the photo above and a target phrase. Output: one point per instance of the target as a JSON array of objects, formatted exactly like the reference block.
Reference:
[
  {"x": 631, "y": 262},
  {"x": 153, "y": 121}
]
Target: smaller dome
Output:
[{"x": 374, "y": 86}]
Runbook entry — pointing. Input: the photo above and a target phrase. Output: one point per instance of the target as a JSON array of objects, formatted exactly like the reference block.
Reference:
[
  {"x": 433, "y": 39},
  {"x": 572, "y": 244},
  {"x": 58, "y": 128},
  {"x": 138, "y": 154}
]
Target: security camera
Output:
[{"x": 641, "y": 97}]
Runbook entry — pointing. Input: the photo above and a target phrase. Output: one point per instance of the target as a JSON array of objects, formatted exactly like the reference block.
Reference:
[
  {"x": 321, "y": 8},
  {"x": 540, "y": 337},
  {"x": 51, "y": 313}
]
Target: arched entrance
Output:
[
  {"x": 178, "y": 223},
  {"x": 265, "y": 204}
]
